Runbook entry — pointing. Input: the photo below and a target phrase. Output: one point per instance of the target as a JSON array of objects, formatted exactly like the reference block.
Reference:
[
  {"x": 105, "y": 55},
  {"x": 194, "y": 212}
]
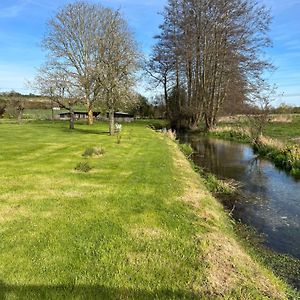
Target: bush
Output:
[
  {"x": 83, "y": 167},
  {"x": 93, "y": 151},
  {"x": 2, "y": 109}
]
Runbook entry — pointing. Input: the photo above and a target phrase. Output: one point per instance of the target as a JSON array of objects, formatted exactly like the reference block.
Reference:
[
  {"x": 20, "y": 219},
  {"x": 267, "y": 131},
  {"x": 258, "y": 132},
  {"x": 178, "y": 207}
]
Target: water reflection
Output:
[{"x": 271, "y": 201}]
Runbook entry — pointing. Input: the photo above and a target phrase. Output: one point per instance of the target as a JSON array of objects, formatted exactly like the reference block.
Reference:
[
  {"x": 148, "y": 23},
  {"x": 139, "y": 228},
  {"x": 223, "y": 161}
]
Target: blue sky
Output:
[{"x": 23, "y": 23}]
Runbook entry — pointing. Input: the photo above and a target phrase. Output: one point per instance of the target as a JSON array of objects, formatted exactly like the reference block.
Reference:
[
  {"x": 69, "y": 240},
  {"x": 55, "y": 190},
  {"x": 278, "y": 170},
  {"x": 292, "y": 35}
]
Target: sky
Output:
[{"x": 23, "y": 25}]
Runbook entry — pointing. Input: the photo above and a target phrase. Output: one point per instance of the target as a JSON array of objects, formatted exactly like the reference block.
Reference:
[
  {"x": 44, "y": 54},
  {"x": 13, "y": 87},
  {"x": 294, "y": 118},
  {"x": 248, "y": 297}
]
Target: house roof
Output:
[
  {"x": 122, "y": 114},
  {"x": 80, "y": 113}
]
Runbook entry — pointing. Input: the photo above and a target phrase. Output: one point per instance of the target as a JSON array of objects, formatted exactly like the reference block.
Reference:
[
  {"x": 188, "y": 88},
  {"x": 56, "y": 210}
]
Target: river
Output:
[{"x": 271, "y": 202}]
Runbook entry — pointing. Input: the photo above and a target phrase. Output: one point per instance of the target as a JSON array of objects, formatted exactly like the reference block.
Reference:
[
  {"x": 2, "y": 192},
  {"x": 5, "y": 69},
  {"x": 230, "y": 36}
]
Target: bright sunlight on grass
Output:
[{"x": 139, "y": 224}]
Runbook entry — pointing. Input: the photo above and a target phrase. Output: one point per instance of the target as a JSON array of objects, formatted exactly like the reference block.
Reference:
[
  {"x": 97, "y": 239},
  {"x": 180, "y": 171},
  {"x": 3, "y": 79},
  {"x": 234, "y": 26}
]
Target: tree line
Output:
[
  {"x": 208, "y": 58},
  {"x": 14, "y": 104},
  {"x": 208, "y": 54}
]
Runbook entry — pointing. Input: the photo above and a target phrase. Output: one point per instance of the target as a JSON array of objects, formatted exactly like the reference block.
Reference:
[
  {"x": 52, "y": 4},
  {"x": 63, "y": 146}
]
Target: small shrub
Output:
[
  {"x": 83, "y": 167},
  {"x": 93, "y": 151},
  {"x": 119, "y": 137},
  {"x": 186, "y": 149}
]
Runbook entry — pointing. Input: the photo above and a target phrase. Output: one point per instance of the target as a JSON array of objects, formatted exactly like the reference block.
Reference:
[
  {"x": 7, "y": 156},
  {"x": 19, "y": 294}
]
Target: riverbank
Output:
[
  {"x": 140, "y": 224},
  {"x": 284, "y": 156},
  {"x": 211, "y": 155},
  {"x": 282, "y": 127}
]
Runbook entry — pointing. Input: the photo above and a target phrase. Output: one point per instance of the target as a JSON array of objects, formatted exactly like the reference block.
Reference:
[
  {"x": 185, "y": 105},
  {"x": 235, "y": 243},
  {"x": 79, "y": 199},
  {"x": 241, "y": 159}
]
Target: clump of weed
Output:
[
  {"x": 171, "y": 134},
  {"x": 119, "y": 137},
  {"x": 232, "y": 133},
  {"x": 83, "y": 167},
  {"x": 282, "y": 118},
  {"x": 93, "y": 151},
  {"x": 186, "y": 149},
  {"x": 218, "y": 186},
  {"x": 118, "y": 130},
  {"x": 130, "y": 133}
]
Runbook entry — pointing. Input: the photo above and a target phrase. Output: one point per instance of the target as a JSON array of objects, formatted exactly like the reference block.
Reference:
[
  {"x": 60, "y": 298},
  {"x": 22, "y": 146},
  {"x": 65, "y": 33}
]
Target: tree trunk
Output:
[
  {"x": 111, "y": 121},
  {"x": 166, "y": 97},
  {"x": 72, "y": 118},
  {"x": 52, "y": 111},
  {"x": 208, "y": 122},
  {"x": 90, "y": 120},
  {"x": 20, "y": 115},
  {"x": 194, "y": 121}
]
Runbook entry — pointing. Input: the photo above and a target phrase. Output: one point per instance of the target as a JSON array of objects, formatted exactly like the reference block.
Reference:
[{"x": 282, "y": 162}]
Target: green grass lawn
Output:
[
  {"x": 286, "y": 132},
  {"x": 139, "y": 225}
]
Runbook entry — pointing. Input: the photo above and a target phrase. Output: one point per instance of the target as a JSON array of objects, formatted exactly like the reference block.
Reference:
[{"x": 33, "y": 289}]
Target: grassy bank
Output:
[
  {"x": 284, "y": 266},
  {"x": 228, "y": 192},
  {"x": 284, "y": 155},
  {"x": 139, "y": 225}
]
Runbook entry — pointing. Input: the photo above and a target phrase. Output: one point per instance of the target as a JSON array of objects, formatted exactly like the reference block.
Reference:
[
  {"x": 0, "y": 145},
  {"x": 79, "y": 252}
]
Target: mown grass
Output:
[{"x": 139, "y": 225}]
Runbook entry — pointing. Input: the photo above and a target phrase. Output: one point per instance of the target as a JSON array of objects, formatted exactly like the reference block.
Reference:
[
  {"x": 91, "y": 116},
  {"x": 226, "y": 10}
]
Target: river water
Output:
[{"x": 271, "y": 202}]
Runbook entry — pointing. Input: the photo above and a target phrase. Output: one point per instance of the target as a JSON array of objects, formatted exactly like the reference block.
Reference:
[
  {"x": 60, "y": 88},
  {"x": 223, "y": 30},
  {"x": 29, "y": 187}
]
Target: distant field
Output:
[
  {"x": 38, "y": 114},
  {"x": 36, "y": 108},
  {"x": 286, "y": 131},
  {"x": 283, "y": 127}
]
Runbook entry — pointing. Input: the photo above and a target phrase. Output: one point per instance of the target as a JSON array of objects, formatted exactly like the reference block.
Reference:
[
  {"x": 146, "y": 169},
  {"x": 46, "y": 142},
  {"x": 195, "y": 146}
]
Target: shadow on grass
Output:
[{"x": 86, "y": 292}]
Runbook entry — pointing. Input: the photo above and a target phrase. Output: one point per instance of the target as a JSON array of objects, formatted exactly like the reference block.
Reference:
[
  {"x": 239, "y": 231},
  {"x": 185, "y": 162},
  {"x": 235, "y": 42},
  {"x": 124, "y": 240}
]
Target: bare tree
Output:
[
  {"x": 72, "y": 43},
  {"x": 55, "y": 83},
  {"x": 116, "y": 66},
  {"x": 258, "y": 114},
  {"x": 94, "y": 49},
  {"x": 216, "y": 51},
  {"x": 160, "y": 69}
]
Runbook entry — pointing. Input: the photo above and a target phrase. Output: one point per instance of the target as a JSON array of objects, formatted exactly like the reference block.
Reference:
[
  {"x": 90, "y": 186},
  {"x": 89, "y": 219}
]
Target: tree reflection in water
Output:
[{"x": 271, "y": 198}]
